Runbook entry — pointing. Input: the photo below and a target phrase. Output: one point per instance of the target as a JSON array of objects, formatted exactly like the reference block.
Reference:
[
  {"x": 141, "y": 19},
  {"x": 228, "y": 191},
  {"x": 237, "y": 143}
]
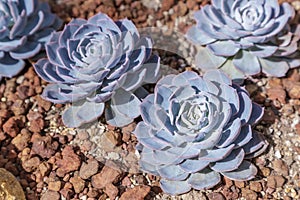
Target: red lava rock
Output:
[
  {"x": 24, "y": 91},
  {"x": 54, "y": 185},
  {"x": 215, "y": 196},
  {"x": 249, "y": 194},
  {"x": 11, "y": 126},
  {"x": 88, "y": 169},
  {"x": 192, "y": 4},
  {"x": 166, "y": 4},
  {"x": 239, "y": 184},
  {"x": 37, "y": 125},
  {"x": 265, "y": 171},
  {"x": 78, "y": 184},
  {"x": 46, "y": 105},
  {"x": 92, "y": 193},
  {"x": 127, "y": 131},
  {"x": 36, "y": 121},
  {"x": 66, "y": 193},
  {"x": 44, "y": 168},
  {"x": 2, "y": 135},
  {"x": 228, "y": 182},
  {"x": 69, "y": 162},
  {"x": 112, "y": 191},
  {"x": 31, "y": 164},
  {"x": 126, "y": 181},
  {"x": 106, "y": 176},
  {"x": 109, "y": 140},
  {"x": 277, "y": 94},
  {"x": 50, "y": 195},
  {"x": 270, "y": 190},
  {"x": 137, "y": 193},
  {"x": 297, "y": 129},
  {"x": 21, "y": 140},
  {"x": 18, "y": 107},
  {"x": 294, "y": 91},
  {"x": 44, "y": 146},
  {"x": 280, "y": 167},
  {"x": 255, "y": 186},
  {"x": 32, "y": 115},
  {"x": 275, "y": 181},
  {"x": 229, "y": 194},
  {"x": 82, "y": 135},
  {"x": 182, "y": 8},
  {"x": 4, "y": 114}
]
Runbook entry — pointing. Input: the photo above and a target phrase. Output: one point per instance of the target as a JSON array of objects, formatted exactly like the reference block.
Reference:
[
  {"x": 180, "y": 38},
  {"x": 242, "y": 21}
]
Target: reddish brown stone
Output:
[
  {"x": 215, "y": 196},
  {"x": 69, "y": 162},
  {"x": 255, "y": 186},
  {"x": 275, "y": 181},
  {"x": 297, "y": 128},
  {"x": 281, "y": 167},
  {"x": 106, "y": 176},
  {"x": 11, "y": 126},
  {"x": 277, "y": 94},
  {"x": 44, "y": 146},
  {"x": 78, "y": 184},
  {"x": 249, "y": 194},
  {"x": 46, "y": 105},
  {"x": 88, "y": 169},
  {"x": 18, "y": 107},
  {"x": 44, "y": 168},
  {"x": 294, "y": 92},
  {"x": 31, "y": 164},
  {"x": 112, "y": 191},
  {"x": 54, "y": 185},
  {"x": 137, "y": 193},
  {"x": 21, "y": 140},
  {"x": 50, "y": 195},
  {"x": 166, "y": 4},
  {"x": 239, "y": 184},
  {"x": 127, "y": 131}
]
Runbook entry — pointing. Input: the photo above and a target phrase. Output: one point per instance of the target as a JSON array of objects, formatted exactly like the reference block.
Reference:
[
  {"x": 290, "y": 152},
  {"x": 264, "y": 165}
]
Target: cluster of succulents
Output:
[
  {"x": 196, "y": 128},
  {"x": 99, "y": 66},
  {"x": 25, "y": 26},
  {"x": 246, "y": 37}
]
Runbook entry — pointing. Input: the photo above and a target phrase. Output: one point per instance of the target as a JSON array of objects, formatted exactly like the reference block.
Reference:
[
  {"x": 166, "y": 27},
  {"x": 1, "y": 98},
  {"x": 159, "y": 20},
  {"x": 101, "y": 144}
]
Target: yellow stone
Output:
[{"x": 10, "y": 188}]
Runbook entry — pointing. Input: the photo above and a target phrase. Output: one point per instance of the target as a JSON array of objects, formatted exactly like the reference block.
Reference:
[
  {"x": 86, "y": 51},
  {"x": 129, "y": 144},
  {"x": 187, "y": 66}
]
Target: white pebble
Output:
[{"x": 277, "y": 154}]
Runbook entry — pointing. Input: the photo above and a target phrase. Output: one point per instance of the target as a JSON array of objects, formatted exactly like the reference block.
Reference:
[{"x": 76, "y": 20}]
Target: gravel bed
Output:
[{"x": 99, "y": 161}]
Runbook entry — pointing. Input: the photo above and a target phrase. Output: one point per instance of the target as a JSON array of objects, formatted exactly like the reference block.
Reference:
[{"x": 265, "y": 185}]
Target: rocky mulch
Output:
[{"x": 99, "y": 161}]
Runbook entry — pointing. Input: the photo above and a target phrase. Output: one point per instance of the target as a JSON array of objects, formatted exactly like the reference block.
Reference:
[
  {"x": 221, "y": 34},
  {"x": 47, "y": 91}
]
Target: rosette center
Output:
[{"x": 193, "y": 113}]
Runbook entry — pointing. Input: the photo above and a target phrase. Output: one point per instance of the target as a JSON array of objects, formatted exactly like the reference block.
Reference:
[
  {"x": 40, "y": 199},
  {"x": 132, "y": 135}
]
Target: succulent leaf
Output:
[
  {"x": 190, "y": 135},
  {"x": 25, "y": 28},
  {"x": 251, "y": 35},
  {"x": 98, "y": 61}
]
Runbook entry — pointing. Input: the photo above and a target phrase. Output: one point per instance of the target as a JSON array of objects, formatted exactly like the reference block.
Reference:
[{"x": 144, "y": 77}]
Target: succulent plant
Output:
[
  {"x": 25, "y": 26},
  {"x": 246, "y": 37},
  {"x": 196, "y": 128},
  {"x": 99, "y": 66}
]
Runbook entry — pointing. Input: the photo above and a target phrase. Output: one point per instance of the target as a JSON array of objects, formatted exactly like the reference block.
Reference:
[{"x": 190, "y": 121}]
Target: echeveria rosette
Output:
[
  {"x": 196, "y": 128},
  {"x": 25, "y": 26},
  {"x": 246, "y": 37},
  {"x": 98, "y": 65}
]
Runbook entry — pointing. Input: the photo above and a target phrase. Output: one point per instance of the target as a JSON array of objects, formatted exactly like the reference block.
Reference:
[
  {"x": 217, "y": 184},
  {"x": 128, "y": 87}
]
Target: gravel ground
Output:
[{"x": 99, "y": 161}]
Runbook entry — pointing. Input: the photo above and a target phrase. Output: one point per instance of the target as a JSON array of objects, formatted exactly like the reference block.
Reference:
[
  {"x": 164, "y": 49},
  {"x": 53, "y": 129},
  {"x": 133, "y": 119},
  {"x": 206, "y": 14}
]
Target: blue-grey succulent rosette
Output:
[
  {"x": 99, "y": 66},
  {"x": 246, "y": 37},
  {"x": 25, "y": 26},
  {"x": 196, "y": 128}
]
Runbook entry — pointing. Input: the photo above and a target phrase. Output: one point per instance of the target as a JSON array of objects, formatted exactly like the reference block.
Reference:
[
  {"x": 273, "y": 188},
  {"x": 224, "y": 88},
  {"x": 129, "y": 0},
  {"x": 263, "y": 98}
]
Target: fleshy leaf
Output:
[
  {"x": 246, "y": 171},
  {"x": 80, "y": 113}
]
